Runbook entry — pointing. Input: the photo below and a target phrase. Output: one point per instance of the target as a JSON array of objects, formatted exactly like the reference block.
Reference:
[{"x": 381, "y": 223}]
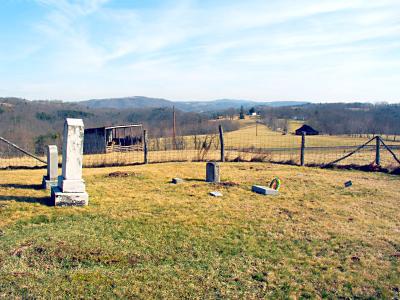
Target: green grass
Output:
[{"x": 142, "y": 237}]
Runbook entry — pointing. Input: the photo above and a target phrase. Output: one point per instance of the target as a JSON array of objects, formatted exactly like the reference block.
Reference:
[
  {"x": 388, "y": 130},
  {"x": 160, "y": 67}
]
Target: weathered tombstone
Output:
[
  {"x": 212, "y": 172},
  {"x": 71, "y": 187},
  {"x": 51, "y": 178}
]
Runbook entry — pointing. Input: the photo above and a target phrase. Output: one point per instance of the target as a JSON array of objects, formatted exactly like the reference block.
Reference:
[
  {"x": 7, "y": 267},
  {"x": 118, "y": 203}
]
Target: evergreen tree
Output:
[{"x": 241, "y": 115}]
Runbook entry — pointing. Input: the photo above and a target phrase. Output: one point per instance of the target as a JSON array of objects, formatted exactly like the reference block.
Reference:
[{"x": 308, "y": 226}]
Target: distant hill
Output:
[
  {"x": 188, "y": 106},
  {"x": 127, "y": 102}
]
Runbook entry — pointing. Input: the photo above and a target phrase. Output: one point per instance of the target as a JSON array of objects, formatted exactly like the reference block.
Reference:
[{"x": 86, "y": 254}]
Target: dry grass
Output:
[{"x": 143, "y": 237}]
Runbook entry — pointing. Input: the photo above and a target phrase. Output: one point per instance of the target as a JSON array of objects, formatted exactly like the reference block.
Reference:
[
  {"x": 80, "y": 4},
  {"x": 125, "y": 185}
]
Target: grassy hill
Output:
[{"x": 141, "y": 237}]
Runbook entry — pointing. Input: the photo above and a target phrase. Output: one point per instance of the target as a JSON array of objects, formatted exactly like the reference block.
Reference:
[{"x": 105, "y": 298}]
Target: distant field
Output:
[
  {"x": 293, "y": 125},
  {"x": 141, "y": 237}
]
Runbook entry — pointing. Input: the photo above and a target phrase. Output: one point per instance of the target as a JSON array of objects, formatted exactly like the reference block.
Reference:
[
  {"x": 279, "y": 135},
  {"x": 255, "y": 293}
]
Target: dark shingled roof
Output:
[{"x": 307, "y": 129}]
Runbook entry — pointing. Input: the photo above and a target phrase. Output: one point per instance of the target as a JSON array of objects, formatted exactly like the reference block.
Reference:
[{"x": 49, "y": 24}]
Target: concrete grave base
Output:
[
  {"x": 259, "y": 189},
  {"x": 47, "y": 184},
  {"x": 59, "y": 198}
]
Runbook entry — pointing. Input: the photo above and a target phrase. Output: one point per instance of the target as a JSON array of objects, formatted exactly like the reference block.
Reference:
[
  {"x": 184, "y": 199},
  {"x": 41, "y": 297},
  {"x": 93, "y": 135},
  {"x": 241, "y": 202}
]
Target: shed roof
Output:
[
  {"x": 117, "y": 126},
  {"x": 306, "y": 128}
]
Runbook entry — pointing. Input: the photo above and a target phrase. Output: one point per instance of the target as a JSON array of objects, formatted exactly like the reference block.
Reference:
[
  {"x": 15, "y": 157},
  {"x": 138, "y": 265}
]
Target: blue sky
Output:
[{"x": 320, "y": 50}]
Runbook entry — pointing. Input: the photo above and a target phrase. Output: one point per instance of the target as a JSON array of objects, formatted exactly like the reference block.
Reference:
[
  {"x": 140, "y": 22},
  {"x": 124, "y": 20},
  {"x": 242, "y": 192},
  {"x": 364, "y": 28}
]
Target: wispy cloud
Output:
[{"x": 258, "y": 49}]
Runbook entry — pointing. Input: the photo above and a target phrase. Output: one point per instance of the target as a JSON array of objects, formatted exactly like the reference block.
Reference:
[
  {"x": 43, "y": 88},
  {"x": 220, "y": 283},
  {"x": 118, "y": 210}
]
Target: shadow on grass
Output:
[
  {"x": 22, "y": 186},
  {"x": 40, "y": 200},
  {"x": 194, "y": 179}
]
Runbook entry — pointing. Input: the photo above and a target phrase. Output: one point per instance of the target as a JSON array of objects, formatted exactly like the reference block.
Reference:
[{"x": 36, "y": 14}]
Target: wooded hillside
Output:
[{"x": 34, "y": 124}]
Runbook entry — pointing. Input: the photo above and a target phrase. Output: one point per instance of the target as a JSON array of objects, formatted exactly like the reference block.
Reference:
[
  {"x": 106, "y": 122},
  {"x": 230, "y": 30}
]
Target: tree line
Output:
[{"x": 338, "y": 118}]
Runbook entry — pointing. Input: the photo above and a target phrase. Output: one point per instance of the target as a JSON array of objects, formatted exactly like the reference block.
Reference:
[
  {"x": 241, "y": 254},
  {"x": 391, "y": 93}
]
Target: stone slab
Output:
[
  {"x": 177, "y": 180},
  {"x": 259, "y": 189},
  {"x": 71, "y": 185},
  {"x": 216, "y": 194},
  {"x": 47, "y": 184},
  {"x": 58, "y": 198}
]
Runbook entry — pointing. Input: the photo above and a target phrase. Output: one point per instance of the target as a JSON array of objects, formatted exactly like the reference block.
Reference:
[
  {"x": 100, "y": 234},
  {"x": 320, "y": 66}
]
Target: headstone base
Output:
[
  {"x": 59, "y": 198},
  {"x": 47, "y": 184},
  {"x": 71, "y": 185},
  {"x": 264, "y": 190}
]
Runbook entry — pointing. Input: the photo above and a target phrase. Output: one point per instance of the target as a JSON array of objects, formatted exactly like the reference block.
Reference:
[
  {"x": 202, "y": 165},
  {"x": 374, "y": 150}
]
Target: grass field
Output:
[{"x": 141, "y": 237}]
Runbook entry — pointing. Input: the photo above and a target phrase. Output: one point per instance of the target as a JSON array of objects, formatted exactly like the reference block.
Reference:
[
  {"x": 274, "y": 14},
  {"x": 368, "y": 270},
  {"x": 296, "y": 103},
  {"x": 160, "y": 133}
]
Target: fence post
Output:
[
  {"x": 145, "y": 149},
  {"x": 303, "y": 146},
  {"x": 221, "y": 140},
  {"x": 378, "y": 151}
]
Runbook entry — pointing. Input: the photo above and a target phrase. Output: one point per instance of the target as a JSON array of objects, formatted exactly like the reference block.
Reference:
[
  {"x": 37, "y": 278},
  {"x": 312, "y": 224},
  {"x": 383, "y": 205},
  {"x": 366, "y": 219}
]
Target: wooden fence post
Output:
[
  {"x": 303, "y": 146},
  {"x": 378, "y": 151},
  {"x": 145, "y": 148},
  {"x": 221, "y": 140}
]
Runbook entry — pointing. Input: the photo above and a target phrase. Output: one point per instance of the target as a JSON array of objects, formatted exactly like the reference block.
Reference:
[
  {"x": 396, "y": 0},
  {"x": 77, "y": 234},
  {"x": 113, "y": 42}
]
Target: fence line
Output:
[{"x": 251, "y": 143}]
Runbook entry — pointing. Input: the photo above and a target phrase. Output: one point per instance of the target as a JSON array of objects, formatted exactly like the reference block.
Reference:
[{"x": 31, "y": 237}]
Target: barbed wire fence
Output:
[{"x": 253, "y": 143}]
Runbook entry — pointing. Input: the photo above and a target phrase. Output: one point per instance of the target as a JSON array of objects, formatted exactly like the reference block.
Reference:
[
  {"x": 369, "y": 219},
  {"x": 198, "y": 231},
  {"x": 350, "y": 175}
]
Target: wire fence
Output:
[{"x": 253, "y": 143}]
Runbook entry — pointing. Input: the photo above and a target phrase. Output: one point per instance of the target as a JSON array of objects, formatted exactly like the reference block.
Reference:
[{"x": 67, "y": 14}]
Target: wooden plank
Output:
[
  {"x": 22, "y": 150},
  {"x": 352, "y": 152},
  {"x": 390, "y": 150}
]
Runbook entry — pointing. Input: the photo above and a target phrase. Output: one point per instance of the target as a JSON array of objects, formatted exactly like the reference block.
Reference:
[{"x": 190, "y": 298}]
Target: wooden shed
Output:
[
  {"x": 308, "y": 130},
  {"x": 121, "y": 138}
]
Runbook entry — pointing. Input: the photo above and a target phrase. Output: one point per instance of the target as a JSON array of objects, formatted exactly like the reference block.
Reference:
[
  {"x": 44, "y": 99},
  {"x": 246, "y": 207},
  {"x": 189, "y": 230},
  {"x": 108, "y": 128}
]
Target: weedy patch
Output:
[
  {"x": 118, "y": 174},
  {"x": 226, "y": 184}
]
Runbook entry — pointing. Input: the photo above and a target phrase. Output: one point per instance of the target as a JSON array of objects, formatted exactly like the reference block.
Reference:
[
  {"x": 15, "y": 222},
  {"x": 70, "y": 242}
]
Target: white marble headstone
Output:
[{"x": 71, "y": 189}]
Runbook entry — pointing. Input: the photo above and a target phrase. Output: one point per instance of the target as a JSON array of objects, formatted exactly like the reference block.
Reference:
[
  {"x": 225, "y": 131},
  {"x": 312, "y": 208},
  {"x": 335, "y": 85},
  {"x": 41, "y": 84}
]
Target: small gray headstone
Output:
[
  {"x": 177, "y": 180},
  {"x": 216, "y": 194},
  {"x": 348, "y": 183},
  {"x": 212, "y": 172},
  {"x": 263, "y": 190}
]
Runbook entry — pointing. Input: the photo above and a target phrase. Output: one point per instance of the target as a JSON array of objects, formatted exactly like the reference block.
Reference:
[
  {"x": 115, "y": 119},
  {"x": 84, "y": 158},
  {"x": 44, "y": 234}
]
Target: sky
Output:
[{"x": 264, "y": 50}]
